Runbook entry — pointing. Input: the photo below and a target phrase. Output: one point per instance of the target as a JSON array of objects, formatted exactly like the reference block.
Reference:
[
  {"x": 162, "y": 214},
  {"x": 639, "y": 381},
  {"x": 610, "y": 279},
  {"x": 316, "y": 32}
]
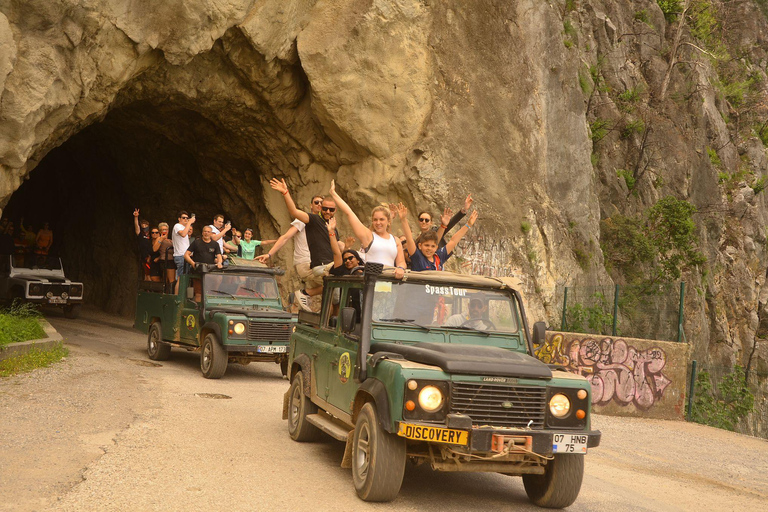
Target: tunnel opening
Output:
[{"x": 160, "y": 159}]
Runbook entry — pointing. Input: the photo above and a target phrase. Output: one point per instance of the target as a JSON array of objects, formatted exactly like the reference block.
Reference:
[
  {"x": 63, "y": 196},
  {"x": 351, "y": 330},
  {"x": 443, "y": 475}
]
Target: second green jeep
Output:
[{"x": 436, "y": 368}]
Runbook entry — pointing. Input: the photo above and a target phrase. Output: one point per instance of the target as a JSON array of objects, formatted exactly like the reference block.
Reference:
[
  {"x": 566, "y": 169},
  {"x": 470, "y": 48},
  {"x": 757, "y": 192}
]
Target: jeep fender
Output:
[
  {"x": 210, "y": 327},
  {"x": 302, "y": 364},
  {"x": 373, "y": 390}
]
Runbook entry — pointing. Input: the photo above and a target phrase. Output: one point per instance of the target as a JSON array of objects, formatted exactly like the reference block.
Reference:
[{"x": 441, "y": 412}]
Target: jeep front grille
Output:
[
  {"x": 500, "y": 405},
  {"x": 268, "y": 331}
]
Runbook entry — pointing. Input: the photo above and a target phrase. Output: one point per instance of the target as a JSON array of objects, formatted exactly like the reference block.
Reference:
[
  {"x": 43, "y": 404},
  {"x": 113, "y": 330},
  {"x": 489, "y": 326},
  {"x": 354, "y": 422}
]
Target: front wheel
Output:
[
  {"x": 299, "y": 408},
  {"x": 213, "y": 358},
  {"x": 72, "y": 311},
  {"x": 560, "y": 484},
  {"x": 156, "y": 349},
  {"x": 378, "y": 458}
]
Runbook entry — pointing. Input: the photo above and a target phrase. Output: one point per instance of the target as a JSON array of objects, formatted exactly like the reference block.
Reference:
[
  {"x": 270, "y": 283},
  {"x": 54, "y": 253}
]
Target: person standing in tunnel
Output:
[
  {"x": 218, "y": 230},
  {"x": 141, "y": 227},
  {"x": 203, "y": 250},
  {"x": 318, "y": 241},
  {"x": 180, "y": 239}
]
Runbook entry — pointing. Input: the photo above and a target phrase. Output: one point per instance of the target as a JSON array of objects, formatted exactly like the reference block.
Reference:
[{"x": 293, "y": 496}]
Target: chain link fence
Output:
[{"x": 651, "y": 312}]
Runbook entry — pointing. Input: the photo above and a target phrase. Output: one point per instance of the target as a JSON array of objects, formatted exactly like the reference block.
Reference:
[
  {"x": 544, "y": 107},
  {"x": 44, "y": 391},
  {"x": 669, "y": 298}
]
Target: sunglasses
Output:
[
  {"x": 155, "y": 232},
  {"x": 317, "y": 202},
  {"x": 328, "y": 209},
  {"x": 183, "y": 217},
  {"x": 422, "y": 219},
  {"x": 348, "y": 258}
]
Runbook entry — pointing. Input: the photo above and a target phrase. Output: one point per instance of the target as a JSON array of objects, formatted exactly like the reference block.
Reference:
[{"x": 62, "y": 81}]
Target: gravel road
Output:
[{"x": 107, "y": 429}]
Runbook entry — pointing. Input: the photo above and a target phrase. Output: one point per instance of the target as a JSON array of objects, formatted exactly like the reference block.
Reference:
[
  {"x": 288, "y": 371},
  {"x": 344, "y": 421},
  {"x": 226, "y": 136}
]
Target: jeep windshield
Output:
[
  {"x": 239, "y": 286},
  {"x": 36, "y": 262},
  {"x": 444, "y": 306}
]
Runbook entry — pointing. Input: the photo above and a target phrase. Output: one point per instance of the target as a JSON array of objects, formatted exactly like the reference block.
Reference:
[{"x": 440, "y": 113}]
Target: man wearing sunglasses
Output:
[
  {"x": 180, "y": 241},
  {"x": 473, "y": 319},
  {"x": 318, "y": 242}
]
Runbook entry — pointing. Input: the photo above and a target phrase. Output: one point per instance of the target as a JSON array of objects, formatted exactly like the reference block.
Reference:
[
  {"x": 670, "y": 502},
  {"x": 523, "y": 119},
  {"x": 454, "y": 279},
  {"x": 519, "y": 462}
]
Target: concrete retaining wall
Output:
[
  {"x": 629, "y": 376},
  {"x": 51, "y": 340}
]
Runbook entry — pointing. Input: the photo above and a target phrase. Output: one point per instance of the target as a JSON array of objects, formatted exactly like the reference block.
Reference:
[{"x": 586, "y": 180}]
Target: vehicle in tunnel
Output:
[
  {"x": 39, "y": 279},
  {"x": 240, "y": 317},
  {"x": 438, "y": 368}
]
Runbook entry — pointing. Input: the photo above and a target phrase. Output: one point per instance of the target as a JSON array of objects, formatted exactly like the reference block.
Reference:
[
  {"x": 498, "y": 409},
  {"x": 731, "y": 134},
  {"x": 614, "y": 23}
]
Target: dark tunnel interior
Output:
[{"x": 160, "y": 159}]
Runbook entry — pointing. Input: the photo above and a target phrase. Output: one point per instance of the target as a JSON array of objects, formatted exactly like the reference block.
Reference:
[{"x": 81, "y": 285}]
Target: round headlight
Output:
[
  {"x": 239, "y": 328},
  {"x": 49, "y": 295},
  {"x": 559, "y": 405},
  {"x": 64, "y": 295},
  {"x": 35, "y": 289},
  {"x": 430, "y": 398}
]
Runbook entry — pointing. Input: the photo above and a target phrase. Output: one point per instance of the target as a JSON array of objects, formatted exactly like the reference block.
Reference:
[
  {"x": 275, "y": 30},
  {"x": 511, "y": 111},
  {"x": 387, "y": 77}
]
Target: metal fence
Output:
[{"x": 652, "y": 312}]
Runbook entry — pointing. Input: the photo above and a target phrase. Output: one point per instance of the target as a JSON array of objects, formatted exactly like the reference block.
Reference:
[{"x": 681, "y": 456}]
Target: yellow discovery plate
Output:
[{"x": 433, "y": 434}]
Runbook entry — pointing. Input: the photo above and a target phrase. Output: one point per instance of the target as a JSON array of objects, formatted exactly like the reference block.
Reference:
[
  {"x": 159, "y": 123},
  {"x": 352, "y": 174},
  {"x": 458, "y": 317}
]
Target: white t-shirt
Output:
[
  {"x": 382, "y": 250},
  {"x": 300, "y": 247},
  {"x": 180, "y": 243},
  {"x": 220, "y": 241}
]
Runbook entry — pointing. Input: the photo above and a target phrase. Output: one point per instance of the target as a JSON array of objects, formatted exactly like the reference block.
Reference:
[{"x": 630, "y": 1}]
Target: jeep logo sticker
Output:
[
  {"x": 445, "y": 290},
  {"x": 190, "y": 322},
  {"x": 345, "y": 367}
]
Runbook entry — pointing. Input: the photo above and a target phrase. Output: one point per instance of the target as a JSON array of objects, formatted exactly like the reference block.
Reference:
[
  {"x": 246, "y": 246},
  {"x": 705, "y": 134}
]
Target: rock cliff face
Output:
[{"x": 110, "y": 105}]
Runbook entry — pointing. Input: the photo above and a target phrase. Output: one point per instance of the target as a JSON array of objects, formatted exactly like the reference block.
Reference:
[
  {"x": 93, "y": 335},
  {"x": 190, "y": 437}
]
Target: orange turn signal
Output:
[
  {"x": 230, "y": 331},
  {"x": 409, "y": 405},
  {"x": 580, "y": 414}
]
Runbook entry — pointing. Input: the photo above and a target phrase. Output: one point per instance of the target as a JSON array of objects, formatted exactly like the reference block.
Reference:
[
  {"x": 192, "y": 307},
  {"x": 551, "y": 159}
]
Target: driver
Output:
[{"x": 475, "y": 318}]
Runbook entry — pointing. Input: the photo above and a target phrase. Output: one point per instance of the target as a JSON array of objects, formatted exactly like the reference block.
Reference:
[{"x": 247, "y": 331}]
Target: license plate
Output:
[
  {"x": 569, "y": 443},
  {"x": 433, "y": 434},
  {"x": 57, "y": 300},
  {"x": 272, "y": 349}
]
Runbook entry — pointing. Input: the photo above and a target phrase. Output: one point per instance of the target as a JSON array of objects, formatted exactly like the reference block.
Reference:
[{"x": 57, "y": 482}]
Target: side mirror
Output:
[
  {"x": 539, "y": 334},
  {"x": 190, "y": 293},
  {"x": 348, "y": 319}
]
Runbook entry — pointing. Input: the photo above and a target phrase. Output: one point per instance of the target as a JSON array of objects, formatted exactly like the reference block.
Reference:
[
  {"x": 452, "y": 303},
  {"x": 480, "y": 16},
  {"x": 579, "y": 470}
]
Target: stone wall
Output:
[{"x": 629, "y": 376}]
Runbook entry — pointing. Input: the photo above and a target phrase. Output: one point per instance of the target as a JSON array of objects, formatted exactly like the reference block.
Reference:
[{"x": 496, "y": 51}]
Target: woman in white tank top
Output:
[{"x": 379, "y": 244}]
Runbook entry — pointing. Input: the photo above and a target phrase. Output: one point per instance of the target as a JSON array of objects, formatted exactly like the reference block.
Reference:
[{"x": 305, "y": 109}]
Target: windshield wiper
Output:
[
  {"x": 468, "y": 328},
  {"x": 407, "y": 321},
  {"x": 223, "y": 293}
]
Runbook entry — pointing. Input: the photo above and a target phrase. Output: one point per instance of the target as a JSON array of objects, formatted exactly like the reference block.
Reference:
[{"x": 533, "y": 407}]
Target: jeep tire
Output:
[
  {"x": 378, "y": 458},
  {"x": 213, "y": 358},
  {"x": 72, "y": 311},
  {"x": 156, "y": 349},
  {"x": 299, "y": 407},
  {"x": 559, "y": 486}
]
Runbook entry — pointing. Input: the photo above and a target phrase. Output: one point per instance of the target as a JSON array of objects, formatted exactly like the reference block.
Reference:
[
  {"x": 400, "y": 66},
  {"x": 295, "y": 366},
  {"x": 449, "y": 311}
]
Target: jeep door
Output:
[
  {"x": 343, "y": 352},
  {"x": 188, "y": 323}
]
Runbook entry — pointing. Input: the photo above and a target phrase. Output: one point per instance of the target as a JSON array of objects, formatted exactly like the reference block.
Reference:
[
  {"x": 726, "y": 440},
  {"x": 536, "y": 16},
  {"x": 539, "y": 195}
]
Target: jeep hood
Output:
[{"x": 469, "y": 359}]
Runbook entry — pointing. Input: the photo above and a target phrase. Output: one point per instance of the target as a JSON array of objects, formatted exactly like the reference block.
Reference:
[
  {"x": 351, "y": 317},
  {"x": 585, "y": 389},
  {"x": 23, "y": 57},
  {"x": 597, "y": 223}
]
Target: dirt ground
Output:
[{"x": 107, "y": 429}]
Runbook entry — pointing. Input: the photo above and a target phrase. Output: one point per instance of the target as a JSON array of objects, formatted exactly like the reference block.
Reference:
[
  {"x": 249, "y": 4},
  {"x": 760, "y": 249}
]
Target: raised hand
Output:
[
  {"x": 446, "y": 217},
  {"x": 467, "y": 203},
  {"x": 135, "y": 214},
  {"x": 402, "y": 211},
  {"x": 349, "y": 241},
  {"x": 472, "y": 218},
  {"x": 263, "y": 258},
  {"x": 278, "y": 185},
  {"x": 332, "y": 225},
  {"x": 332, "y": 190}
]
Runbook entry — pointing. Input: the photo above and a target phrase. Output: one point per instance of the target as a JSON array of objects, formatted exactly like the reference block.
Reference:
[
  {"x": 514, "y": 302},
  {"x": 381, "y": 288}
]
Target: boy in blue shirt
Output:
[{"x": 428, "y": 256}]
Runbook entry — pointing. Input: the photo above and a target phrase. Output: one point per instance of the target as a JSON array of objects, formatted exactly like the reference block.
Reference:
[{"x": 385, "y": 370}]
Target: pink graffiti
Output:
[{"x": 617, "y": 371}]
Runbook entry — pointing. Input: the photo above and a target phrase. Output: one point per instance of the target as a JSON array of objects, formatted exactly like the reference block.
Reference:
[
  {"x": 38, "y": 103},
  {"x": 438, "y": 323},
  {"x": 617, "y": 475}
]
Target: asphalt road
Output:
[{"x": 107, "y": 429}]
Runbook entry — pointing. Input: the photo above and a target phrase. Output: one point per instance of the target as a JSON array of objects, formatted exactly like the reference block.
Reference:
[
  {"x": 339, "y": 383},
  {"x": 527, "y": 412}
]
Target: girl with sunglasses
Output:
[
  {"x": 380, "y": 245},
  {"x": 343, "y": 262}
]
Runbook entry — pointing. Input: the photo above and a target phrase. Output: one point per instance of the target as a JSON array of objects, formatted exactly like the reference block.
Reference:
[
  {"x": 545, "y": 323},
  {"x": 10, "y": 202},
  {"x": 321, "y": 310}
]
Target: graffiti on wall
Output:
[{"x": 618, "y": 372}]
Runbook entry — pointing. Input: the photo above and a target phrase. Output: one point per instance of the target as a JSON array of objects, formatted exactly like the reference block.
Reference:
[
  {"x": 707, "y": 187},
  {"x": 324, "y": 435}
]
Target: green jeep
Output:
[
  {"x": 238, "y": 317},
  {"x": 436, "y": 368}
]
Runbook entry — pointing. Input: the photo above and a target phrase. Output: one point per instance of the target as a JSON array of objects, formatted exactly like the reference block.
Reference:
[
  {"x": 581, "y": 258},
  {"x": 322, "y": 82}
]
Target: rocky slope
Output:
[{"x": 532, "y": 106}]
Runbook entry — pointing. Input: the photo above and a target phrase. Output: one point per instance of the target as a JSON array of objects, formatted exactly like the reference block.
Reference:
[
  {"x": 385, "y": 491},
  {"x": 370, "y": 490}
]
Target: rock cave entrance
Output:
[{"x": 160, "y": 159}]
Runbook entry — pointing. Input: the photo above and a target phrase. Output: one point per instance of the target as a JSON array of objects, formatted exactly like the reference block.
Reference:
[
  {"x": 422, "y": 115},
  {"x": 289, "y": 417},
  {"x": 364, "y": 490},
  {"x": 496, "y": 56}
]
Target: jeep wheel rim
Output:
[
  {"x": 206, "y": 357},
  {"x": 153, "y": 342},
  {"x": 362, "y": 459},
  {"x": 295, "y": 406}
]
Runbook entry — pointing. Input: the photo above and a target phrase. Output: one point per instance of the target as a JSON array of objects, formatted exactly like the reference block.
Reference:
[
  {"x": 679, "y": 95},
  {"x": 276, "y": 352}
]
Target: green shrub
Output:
[
  {"x": 671, "y": 9},
  {"x": 629, "y": 178},
  {"x": 760, "y": 184},
  {"x": 630, "y": 95},
  {"x": 642, "y": 15},
  {"x": 598, "y": 129},
  {"x": 20, "y": 323},
  {"x": 596, "y": 318},
  {"x": 525, "y": 227},
  {"x": 725, "y": 405},
  {"x": 714, "y": 157},
  {"x": 633, "y": 127}
]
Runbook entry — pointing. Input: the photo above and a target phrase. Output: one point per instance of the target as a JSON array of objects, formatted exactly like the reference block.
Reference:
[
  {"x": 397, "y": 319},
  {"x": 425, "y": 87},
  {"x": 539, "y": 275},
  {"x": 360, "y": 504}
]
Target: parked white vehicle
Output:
[{"x": 39, "y": 280}]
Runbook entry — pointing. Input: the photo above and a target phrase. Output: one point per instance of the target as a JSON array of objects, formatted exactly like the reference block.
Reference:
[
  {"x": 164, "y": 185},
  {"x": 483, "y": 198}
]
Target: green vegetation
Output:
[
  {"x": 532, "y": 256},
  {"x": 670, "y": 8},
  {"x": 20, "y": 323},
  {"x": 642, "y": 15},
  {"x": 571, "y": 36},
  {"x": 629, "y": 178},
  {"x": 633, "y": 127},
  {"x": 596, "y": 318},
  {"x": 656, "y": 247},
  {"x": 725, "y": 405},
  {"x": 32, "y": 360},
  {"x": 760, "y": 184},
  {"x": 525, "y": 227},
  {"x": 598, "y": 129},
  {"x": 582, "y": 257},
  {"x": 630, "y": 95},
  {"x": 714, "y": 157},
  {"x": 761, "y": 130}
]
